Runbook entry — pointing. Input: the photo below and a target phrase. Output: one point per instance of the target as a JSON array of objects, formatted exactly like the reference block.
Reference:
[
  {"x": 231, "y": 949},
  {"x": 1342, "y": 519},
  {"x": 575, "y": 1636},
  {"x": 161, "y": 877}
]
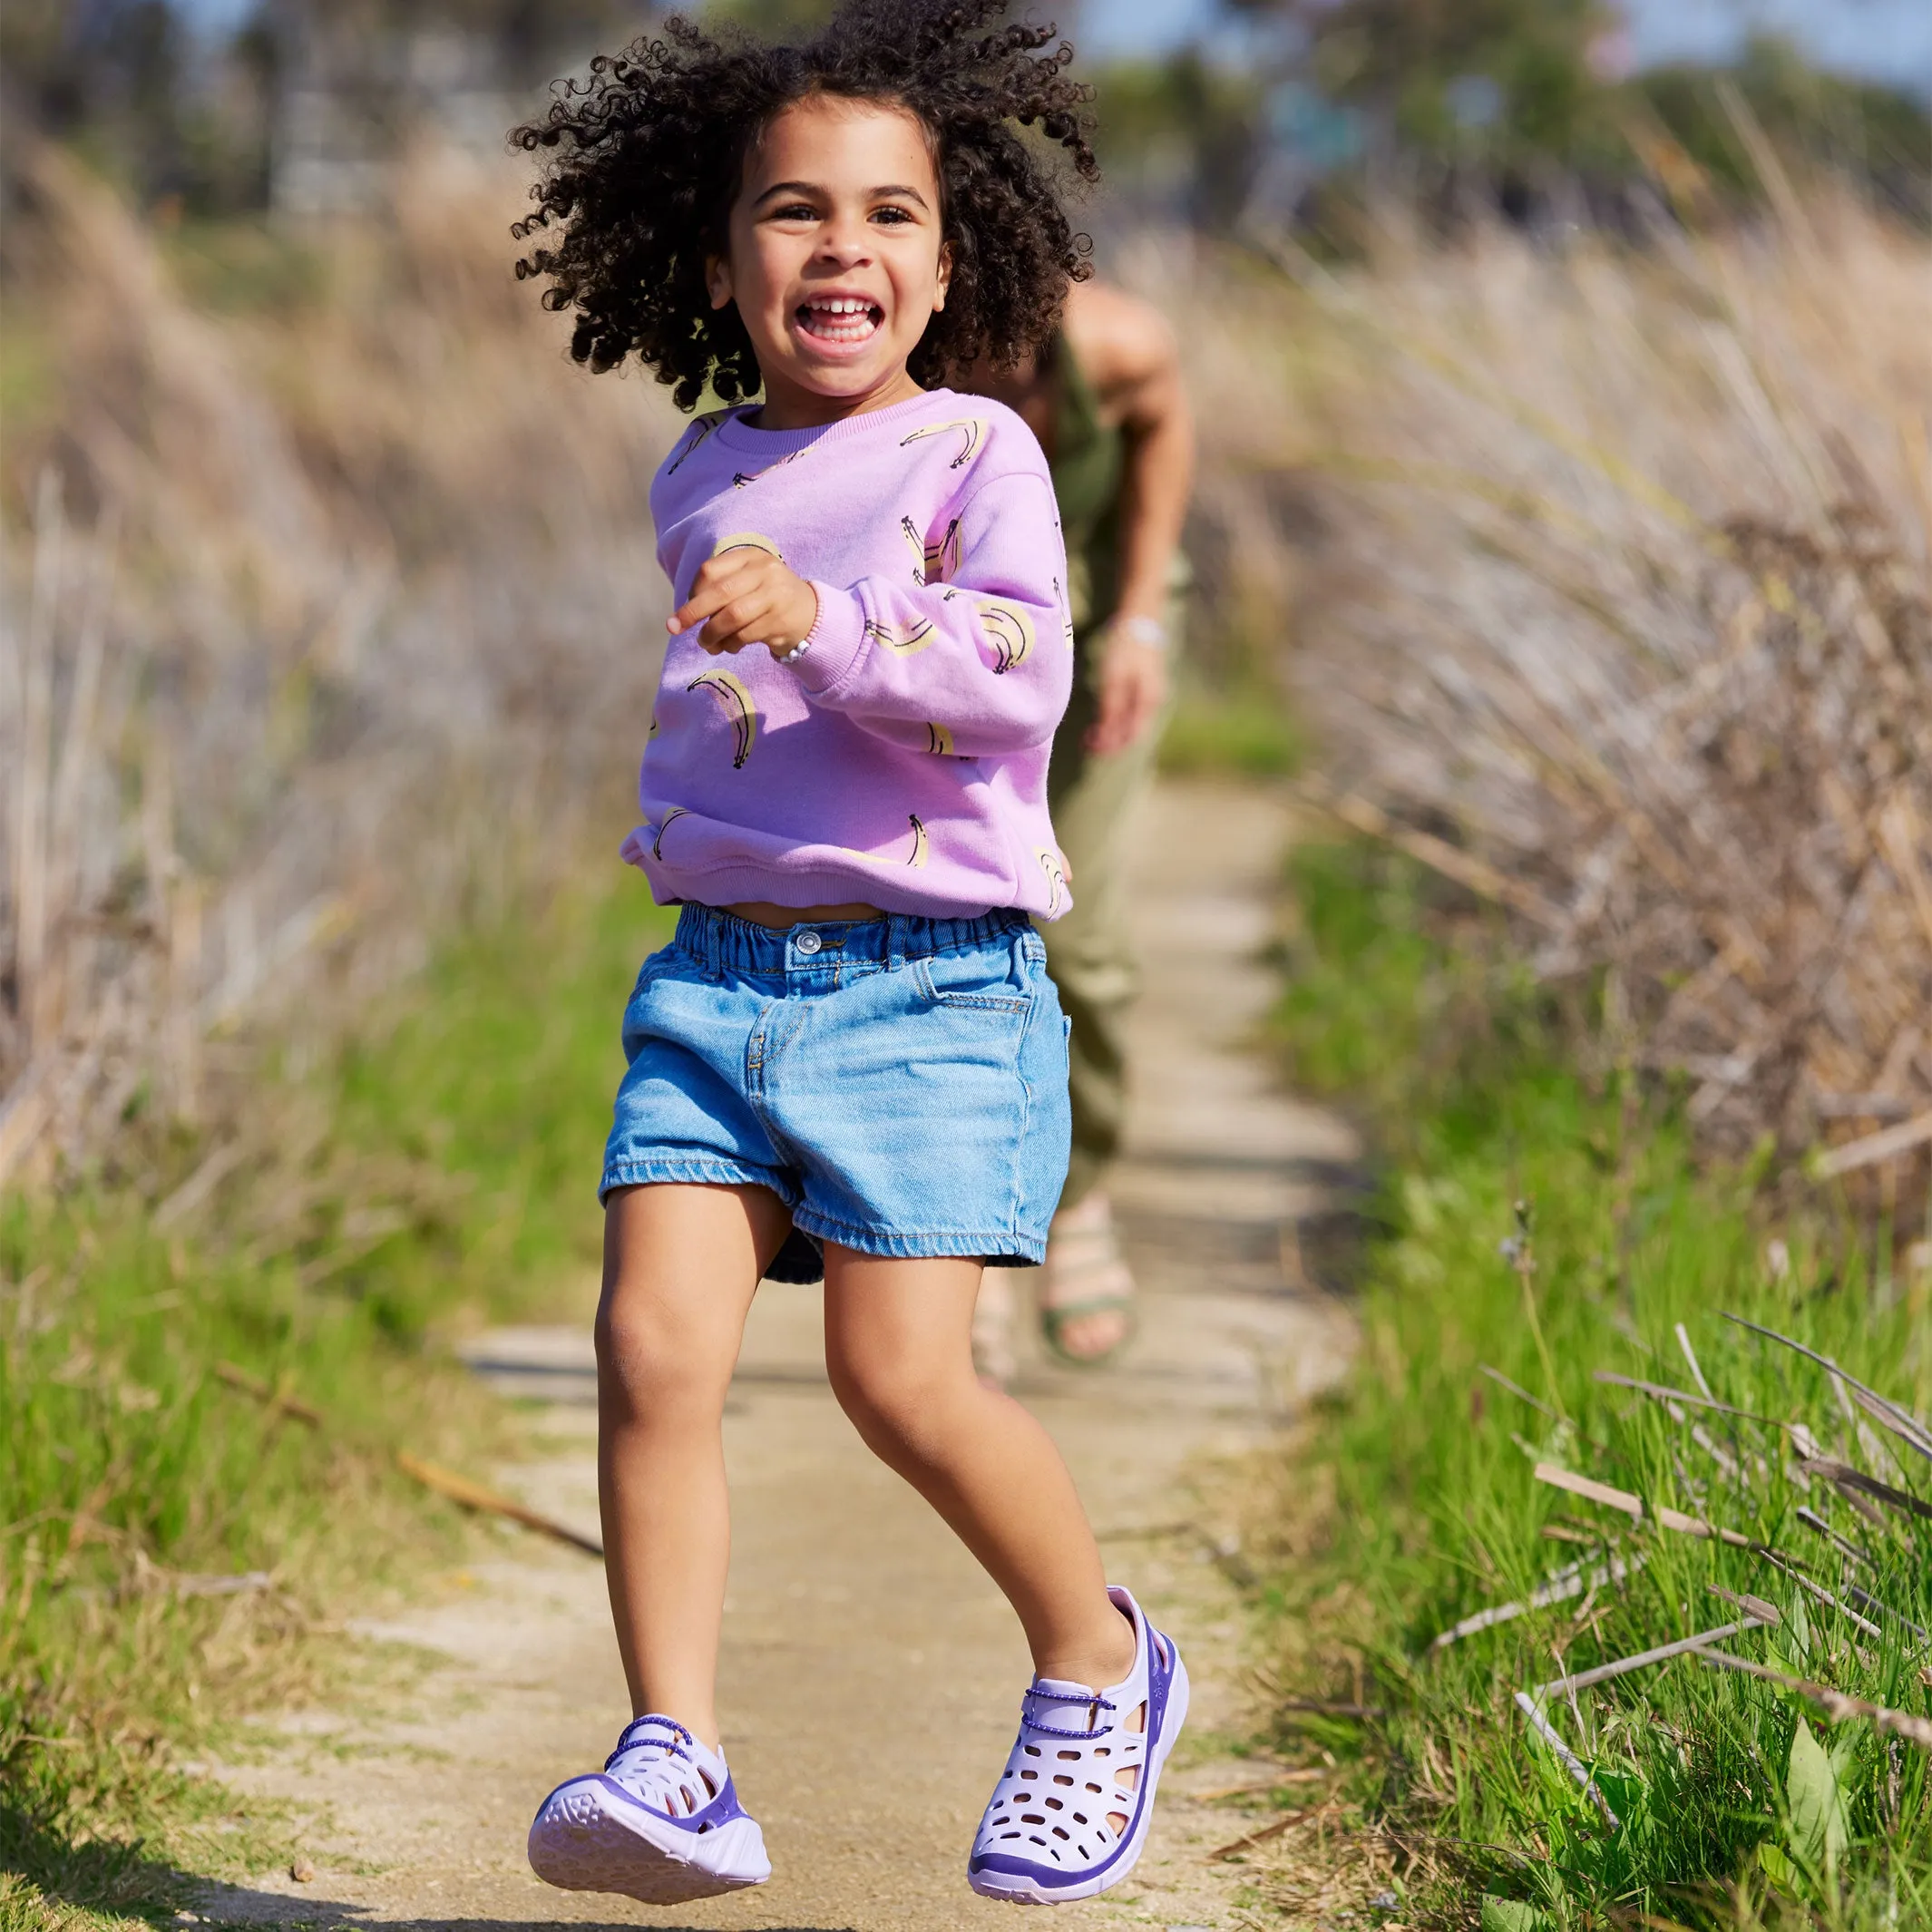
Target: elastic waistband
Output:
[{"x": 724, "y": 943}]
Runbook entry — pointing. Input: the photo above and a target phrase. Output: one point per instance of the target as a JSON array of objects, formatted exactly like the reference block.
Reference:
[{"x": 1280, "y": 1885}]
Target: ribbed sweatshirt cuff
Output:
[{"x": 834, "y": 643}]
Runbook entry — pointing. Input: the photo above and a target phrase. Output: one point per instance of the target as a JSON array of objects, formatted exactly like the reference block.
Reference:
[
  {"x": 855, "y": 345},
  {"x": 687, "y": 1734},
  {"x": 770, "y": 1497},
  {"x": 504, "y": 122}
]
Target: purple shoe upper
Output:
[{"x": 1050, "y": 1818}]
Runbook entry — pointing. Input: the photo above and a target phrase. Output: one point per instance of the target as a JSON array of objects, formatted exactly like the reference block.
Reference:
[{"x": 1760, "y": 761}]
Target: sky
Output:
[{"x": 1887, "y": 39}]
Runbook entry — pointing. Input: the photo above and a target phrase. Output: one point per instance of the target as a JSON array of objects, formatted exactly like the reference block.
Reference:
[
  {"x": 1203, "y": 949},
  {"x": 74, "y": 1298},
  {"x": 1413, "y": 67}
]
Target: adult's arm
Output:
[{"x": 1131, "y": 357}]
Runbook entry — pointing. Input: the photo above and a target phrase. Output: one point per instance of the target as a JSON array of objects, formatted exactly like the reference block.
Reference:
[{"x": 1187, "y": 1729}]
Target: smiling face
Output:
[{"x": 837, "y": 258}]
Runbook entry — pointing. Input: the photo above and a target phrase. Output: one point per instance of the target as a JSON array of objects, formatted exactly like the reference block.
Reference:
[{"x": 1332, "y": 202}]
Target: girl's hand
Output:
[{"x": 746, "y": 596}]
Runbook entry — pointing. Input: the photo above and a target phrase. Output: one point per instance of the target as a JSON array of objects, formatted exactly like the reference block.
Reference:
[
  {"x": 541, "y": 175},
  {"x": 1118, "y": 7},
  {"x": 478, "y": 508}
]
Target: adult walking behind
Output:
[{"x": 1107, "y": 401}]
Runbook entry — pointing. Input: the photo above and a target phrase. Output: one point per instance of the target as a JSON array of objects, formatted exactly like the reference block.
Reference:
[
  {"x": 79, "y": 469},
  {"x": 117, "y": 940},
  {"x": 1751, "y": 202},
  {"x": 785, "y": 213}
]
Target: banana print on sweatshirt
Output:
[{"x": 924, "y": 696}]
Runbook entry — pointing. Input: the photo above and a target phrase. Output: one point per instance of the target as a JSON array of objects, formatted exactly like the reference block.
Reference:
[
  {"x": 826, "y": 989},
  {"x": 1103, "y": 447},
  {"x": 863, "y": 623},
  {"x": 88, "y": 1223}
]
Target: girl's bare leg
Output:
[
  {"x": 681, "y": 1264},
  {"x": 897, "y": 1347}
]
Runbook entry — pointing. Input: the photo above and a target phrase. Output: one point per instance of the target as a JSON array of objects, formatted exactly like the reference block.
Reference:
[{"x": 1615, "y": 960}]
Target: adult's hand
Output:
[{"x": 1133, "y": 689}]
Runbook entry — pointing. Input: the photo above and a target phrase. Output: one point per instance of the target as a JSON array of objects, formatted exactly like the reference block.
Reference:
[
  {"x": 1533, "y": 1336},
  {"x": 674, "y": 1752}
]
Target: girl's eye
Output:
[
  {"x": 897, "y": 216},
  {"x": 797, "y": 211}
]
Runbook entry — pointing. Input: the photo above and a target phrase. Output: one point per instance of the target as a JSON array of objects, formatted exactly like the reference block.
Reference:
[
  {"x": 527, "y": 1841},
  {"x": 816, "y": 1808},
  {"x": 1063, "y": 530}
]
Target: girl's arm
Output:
[{"x": 971, "y": 652}]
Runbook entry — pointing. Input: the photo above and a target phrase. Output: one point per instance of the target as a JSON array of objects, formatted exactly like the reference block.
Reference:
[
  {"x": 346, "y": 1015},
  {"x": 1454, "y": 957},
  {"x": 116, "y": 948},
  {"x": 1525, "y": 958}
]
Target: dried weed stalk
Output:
[
  {"x": 1622, "y": 590},
  {"x": 321, "y": 625}
]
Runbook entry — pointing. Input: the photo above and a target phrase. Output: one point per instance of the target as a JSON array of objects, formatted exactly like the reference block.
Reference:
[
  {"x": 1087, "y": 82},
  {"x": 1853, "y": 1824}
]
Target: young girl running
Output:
[{"x": 849, "y": 1057}]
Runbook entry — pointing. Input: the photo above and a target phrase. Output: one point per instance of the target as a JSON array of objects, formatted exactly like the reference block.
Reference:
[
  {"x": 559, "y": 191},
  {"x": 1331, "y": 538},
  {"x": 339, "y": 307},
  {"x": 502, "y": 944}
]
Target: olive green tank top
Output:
[{"x": 1089, "y": 462}]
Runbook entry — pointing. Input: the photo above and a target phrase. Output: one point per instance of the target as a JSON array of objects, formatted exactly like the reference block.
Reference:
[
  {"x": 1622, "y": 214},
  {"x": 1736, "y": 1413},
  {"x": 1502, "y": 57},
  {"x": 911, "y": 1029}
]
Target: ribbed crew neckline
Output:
[{"x": 735, "y": 432}]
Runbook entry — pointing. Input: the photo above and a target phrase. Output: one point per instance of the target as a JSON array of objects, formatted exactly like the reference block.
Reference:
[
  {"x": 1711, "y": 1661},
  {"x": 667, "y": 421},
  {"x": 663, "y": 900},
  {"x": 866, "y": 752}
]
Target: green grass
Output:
[
  {"x": 438, "y": 1171},
  {"x": 1549, "y": 1227},
  {"x": 1246, "y": 734}
]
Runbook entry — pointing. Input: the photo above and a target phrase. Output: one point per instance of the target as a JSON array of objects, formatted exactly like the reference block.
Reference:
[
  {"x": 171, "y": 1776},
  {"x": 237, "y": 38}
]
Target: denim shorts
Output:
[{"x": 898, "y": 1083}]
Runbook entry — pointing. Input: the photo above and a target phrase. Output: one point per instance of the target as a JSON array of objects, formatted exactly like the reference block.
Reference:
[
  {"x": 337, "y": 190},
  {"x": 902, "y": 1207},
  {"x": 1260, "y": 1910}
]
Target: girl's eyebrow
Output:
[{"x": 812, "y": 189}]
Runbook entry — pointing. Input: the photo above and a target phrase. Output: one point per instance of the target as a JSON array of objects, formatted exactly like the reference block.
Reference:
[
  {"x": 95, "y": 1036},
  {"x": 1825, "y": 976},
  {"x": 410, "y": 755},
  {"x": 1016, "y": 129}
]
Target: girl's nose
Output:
[{"x": 844, "y": 242}]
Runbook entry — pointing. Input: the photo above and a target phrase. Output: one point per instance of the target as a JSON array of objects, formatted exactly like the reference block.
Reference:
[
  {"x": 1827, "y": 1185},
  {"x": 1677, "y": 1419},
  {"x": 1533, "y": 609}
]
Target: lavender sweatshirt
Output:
[{"x": 901, "y": 761}]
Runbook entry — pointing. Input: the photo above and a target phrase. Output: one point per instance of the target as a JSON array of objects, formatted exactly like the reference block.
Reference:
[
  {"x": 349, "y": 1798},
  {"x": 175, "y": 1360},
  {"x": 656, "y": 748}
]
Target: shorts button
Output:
[{"x": 809, "y": 944}]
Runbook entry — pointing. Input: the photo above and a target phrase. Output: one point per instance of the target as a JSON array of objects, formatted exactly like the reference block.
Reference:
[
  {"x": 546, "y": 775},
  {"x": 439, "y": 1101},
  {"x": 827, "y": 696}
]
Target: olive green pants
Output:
[{"x": 1089, "y": 952}]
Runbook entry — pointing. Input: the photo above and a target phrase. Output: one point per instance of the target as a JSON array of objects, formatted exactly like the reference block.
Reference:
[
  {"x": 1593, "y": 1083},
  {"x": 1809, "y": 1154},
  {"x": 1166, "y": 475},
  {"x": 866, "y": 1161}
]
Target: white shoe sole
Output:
[
  {"x": 587, "y": 1838},
  {"x": 1016, "y": 1890}
]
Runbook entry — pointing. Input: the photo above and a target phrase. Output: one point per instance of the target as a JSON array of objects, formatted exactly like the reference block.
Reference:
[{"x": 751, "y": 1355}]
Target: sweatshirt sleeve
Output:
[{"x": 971, "y": 653}]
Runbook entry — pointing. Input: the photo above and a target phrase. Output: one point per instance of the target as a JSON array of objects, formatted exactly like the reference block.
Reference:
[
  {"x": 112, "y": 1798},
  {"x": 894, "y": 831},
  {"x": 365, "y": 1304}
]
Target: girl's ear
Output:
[
  {"x": 718, "y": 280},
  {"x": 945, "y": 277}
]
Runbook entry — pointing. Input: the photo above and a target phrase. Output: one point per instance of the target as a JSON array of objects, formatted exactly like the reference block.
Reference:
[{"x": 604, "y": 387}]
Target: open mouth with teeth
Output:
[{"x": 839, "y": 318}]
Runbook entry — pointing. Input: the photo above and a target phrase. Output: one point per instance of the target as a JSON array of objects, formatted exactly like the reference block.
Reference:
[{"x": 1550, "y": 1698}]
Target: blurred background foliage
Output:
[
  {"x": 1564, "y": 515},
  {"x": 1281, "y": 110}
]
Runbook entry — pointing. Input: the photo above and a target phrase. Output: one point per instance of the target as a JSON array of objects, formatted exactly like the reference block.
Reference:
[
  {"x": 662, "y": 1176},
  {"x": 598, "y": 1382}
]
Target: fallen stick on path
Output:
[
  {"x": 1834, "y": 1704},
  {"x": 1274, "y": 1830},
  {"x": 445, "y": 1482},
  {"x": 276, "y": 1398},
  {"x": 1311, "y": 1774},
  {"x": 473, "y": 1495}
]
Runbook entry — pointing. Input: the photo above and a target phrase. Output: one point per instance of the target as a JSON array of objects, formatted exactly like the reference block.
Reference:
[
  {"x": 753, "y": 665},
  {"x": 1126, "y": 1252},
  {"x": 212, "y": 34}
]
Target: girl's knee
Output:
[
  {"x": 656, "y": 1362},
  {"x": 898, "y": 1408}
]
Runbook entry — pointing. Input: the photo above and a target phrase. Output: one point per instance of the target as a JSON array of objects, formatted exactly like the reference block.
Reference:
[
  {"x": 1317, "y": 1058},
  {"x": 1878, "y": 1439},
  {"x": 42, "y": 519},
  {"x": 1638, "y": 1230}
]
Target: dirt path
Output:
[{"x": 871, "y": 1672}]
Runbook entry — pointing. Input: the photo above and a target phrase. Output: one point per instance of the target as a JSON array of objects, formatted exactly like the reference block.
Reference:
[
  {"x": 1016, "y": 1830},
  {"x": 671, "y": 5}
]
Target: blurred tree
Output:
[
  {"x": 1183, "y": 136},
  {"x": 1514, "y": 81},
  {"x": 772, "y": 19},
  {"x": 120, "y": 80},
  {"x": 1881, "y": 135}
]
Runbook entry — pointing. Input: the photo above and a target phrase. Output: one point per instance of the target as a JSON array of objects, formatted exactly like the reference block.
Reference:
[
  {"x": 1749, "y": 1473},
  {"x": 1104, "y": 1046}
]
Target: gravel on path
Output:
[{"x": 871, "y": 1674}]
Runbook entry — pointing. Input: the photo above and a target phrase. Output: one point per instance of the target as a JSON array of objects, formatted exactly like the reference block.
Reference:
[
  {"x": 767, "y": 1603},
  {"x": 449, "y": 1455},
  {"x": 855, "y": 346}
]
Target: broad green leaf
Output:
[
  {"x": 1626, "y": 1795},
  {"x": 1510, "y": 1915},
  {"x": 1820, "y": 1829},
  {"x": 1778, "y": 1868}
]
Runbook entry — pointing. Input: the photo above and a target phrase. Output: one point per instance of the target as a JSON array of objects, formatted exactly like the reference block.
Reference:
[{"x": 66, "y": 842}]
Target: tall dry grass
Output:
[
  {"x": 322, "y": 619},
  {"x": 1613, "y": 599}
]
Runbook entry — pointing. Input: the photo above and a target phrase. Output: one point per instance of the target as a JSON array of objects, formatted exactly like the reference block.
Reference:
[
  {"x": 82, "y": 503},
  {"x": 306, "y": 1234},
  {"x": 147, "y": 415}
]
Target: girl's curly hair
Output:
[{"x": 649, "y": 156}]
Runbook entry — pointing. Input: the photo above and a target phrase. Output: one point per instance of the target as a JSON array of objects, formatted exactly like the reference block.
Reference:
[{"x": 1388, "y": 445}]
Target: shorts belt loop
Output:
[
  {"x": 895, "y": 941},
  {"x": 714, "y": 944}
]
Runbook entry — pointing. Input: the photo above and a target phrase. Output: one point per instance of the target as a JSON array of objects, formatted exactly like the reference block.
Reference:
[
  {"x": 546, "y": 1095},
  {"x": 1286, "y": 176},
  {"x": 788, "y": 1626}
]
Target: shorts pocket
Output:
[
  {"x": 636, "y": 1027},
  {"x": 982, "y": 981}
]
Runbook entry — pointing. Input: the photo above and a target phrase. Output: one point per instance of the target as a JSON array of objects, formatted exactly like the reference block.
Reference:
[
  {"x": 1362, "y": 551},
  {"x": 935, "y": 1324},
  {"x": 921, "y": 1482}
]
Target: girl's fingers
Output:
[
  {"x": 744, "y": 619},
  {"x": 714, "y": 586}
]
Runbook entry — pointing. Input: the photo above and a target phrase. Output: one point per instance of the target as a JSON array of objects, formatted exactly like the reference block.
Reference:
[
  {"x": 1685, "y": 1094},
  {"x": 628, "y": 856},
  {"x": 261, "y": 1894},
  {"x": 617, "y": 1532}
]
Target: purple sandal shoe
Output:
[
  {"x": 660, "y": 1822},
  {"x": 1062, "y": 1824}
]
